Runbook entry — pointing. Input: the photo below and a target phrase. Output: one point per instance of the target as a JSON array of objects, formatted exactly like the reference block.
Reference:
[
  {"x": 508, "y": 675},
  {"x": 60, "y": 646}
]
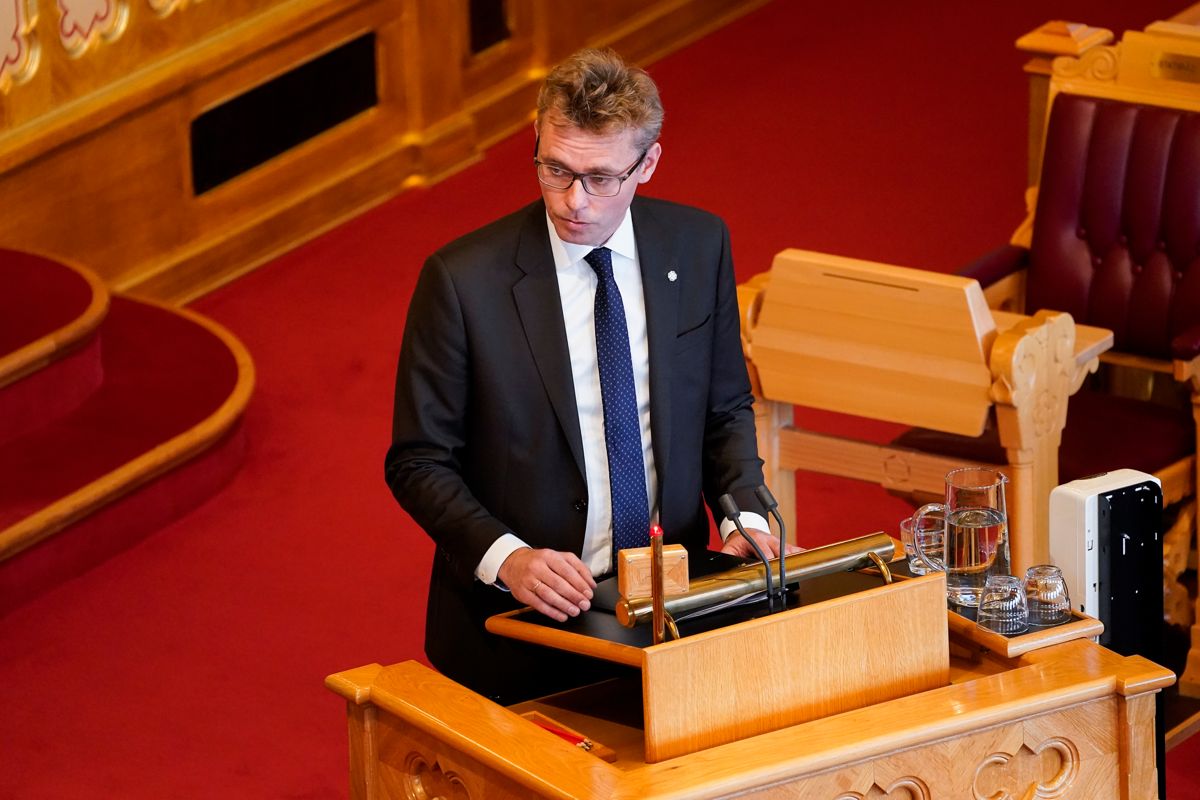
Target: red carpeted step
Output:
[
  {"x": 49, "y": 348},
  {"x": 39, "y": 296},
  {"x": 174, "y": 385}
]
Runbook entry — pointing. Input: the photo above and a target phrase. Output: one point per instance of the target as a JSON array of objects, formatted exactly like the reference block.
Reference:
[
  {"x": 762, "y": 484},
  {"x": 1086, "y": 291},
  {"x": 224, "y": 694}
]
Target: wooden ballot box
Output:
[{"x": 871, "y": 695}]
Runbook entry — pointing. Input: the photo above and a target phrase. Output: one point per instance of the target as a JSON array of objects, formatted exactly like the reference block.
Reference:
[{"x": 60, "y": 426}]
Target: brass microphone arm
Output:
[{"x": 740, "y": 581}]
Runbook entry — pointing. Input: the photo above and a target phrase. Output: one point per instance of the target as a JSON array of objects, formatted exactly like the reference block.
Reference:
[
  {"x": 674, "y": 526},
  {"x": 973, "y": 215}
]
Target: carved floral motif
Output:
[
  {"x": 1033, "y": 367},
  {"x": 83, "y": 22},
  {"x": 18, "y": 53}
]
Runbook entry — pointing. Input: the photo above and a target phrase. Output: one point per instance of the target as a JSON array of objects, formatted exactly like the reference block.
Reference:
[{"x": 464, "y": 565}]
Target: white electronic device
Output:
[{"x": 1101, "y": 529}]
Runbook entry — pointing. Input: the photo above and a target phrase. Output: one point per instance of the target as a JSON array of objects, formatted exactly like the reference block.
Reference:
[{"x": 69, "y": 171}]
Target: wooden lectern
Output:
[
  {"x": 764, "y": 674},
  {"x": 871, "y": 695}
]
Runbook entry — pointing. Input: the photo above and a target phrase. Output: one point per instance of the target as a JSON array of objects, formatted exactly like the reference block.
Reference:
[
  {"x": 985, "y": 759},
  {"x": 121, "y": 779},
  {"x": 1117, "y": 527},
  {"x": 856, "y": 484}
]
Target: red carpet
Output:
[{"x": 192, "y": 664}]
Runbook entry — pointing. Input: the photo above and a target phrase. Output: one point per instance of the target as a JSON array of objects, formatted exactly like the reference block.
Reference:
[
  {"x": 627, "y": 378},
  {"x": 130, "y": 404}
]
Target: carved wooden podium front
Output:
[{"x": 1068, "y": 720}]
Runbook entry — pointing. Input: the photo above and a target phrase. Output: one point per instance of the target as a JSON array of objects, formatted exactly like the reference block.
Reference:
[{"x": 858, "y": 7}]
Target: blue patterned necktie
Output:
[{"x": 622, "y": 428}]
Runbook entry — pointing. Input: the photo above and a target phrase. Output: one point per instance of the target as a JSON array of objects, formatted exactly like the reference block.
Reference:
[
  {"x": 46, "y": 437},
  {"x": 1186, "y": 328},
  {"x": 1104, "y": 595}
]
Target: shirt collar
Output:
[{"x": 622, "y": 243}]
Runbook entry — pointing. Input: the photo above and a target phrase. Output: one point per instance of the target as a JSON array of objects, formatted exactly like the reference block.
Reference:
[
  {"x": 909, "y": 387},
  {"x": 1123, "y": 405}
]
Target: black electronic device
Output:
[{"x": 1106, "y": 534}]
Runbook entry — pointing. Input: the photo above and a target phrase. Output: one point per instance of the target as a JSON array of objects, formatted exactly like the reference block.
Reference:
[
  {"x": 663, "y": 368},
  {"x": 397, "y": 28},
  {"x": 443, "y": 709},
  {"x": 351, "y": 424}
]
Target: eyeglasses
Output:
[{"x": 557, "y": 177}]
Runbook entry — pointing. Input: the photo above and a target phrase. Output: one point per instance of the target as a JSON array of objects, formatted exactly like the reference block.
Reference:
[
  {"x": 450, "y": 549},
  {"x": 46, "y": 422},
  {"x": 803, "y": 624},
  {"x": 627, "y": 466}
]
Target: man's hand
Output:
[
  {"x": 556, "y": 584},
  {"x": 738, "y": 546}
]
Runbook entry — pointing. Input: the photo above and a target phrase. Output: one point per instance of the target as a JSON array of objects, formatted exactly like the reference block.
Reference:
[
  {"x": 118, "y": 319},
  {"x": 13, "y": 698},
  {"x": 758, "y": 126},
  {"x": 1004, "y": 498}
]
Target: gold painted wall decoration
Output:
[
  {"x": 84, "y": 22},
  {"x": 18, "y": 49}
]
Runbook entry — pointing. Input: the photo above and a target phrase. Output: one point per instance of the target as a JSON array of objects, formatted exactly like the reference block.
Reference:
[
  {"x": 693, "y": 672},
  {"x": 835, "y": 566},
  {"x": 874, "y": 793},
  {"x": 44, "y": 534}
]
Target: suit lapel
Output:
[
  {"x": 657, "y": 256},
  {"x": 540, "y": 309}
]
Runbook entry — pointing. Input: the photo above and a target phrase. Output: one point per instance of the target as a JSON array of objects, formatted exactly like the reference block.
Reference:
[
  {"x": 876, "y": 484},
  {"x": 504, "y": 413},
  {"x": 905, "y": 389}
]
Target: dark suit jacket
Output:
[{"x": 486, "y": 435}]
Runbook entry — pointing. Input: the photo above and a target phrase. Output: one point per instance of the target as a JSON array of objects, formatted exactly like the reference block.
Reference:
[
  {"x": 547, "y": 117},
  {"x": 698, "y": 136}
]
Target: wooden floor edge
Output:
[
  {"x": 616, "y": 38},
  {"x": 45, "y": 349},
  {"x": 1183, "y": 731},
  {"x": 162, "y": 458}
]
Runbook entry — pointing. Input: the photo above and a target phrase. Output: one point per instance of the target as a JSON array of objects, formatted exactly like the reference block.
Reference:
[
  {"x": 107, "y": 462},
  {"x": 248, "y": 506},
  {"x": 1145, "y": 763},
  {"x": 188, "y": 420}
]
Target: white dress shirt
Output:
[{"x": 577, "y": 292}]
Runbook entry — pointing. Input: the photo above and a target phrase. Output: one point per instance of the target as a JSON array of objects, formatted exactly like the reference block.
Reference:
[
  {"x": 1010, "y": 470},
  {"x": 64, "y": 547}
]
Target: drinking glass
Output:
[
  {"x": 1046, "y": 591},
  {"x": 975, "y": 544},
  {"x": 931, "y": 530},
  {"x": 1002, "y": 606}
]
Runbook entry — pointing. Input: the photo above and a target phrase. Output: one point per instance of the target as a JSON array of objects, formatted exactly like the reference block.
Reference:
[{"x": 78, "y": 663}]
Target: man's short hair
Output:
[{"x": 596, "y": 91}]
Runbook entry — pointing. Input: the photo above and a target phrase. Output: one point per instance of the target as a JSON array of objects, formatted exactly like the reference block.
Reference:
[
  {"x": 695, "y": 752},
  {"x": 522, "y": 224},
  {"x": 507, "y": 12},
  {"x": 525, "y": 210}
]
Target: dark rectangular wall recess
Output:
[
  {"x": 274, "y": 117},
  {"x": 489, "y": 24}
]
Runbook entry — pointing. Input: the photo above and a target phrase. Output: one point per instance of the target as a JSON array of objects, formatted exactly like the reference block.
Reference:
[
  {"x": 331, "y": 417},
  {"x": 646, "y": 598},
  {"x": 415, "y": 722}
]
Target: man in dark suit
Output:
[{"x": 569, "y": 374}]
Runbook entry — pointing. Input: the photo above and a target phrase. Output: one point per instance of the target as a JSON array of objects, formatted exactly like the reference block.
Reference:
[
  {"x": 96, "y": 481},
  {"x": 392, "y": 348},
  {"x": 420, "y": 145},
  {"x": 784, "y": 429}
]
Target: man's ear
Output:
[{"x": 649, "y": 163}]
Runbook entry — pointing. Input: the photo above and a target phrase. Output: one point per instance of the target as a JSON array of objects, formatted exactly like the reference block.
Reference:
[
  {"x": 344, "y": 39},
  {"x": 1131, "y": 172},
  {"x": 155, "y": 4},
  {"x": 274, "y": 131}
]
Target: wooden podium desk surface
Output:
[{"x": 1072, "y": 720}]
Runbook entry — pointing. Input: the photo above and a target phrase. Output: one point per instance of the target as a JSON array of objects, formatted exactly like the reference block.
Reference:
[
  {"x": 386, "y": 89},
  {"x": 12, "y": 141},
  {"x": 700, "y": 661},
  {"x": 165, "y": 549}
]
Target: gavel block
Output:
[{"x": 633, "y": 571}]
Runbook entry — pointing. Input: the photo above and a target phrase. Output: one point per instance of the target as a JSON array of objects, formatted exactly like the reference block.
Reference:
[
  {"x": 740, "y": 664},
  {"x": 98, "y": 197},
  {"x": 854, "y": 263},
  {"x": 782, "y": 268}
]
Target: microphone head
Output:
[
  {"x": 766, "y": 498},
  {"x": 729, "y": 506}
]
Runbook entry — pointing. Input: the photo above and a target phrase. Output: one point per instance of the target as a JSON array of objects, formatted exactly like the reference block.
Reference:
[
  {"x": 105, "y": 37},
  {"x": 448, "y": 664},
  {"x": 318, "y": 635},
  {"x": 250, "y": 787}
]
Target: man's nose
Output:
[{"x": 576, "y": 197}]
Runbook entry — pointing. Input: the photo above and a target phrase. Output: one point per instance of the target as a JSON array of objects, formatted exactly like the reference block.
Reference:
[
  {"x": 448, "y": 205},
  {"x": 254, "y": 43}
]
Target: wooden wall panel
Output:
[{"x": 95, "y": 125}]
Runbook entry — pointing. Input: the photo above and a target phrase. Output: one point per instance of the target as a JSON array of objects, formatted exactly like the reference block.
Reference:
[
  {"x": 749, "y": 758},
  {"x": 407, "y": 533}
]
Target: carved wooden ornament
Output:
[
  {"x": 18, "y": 51},
  {"x": 423, "y": 781},
  {"x": 1099, "y": 64},
  {"x": 908, "y": 788},
  {"x": 84, "y": 22},
  {"x": 1028, "y": 773}
]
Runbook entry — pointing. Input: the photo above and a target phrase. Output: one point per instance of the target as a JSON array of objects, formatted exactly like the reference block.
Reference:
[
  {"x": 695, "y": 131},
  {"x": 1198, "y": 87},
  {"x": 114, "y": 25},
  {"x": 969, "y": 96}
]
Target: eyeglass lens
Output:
[{"x": 558, "y": 178}]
